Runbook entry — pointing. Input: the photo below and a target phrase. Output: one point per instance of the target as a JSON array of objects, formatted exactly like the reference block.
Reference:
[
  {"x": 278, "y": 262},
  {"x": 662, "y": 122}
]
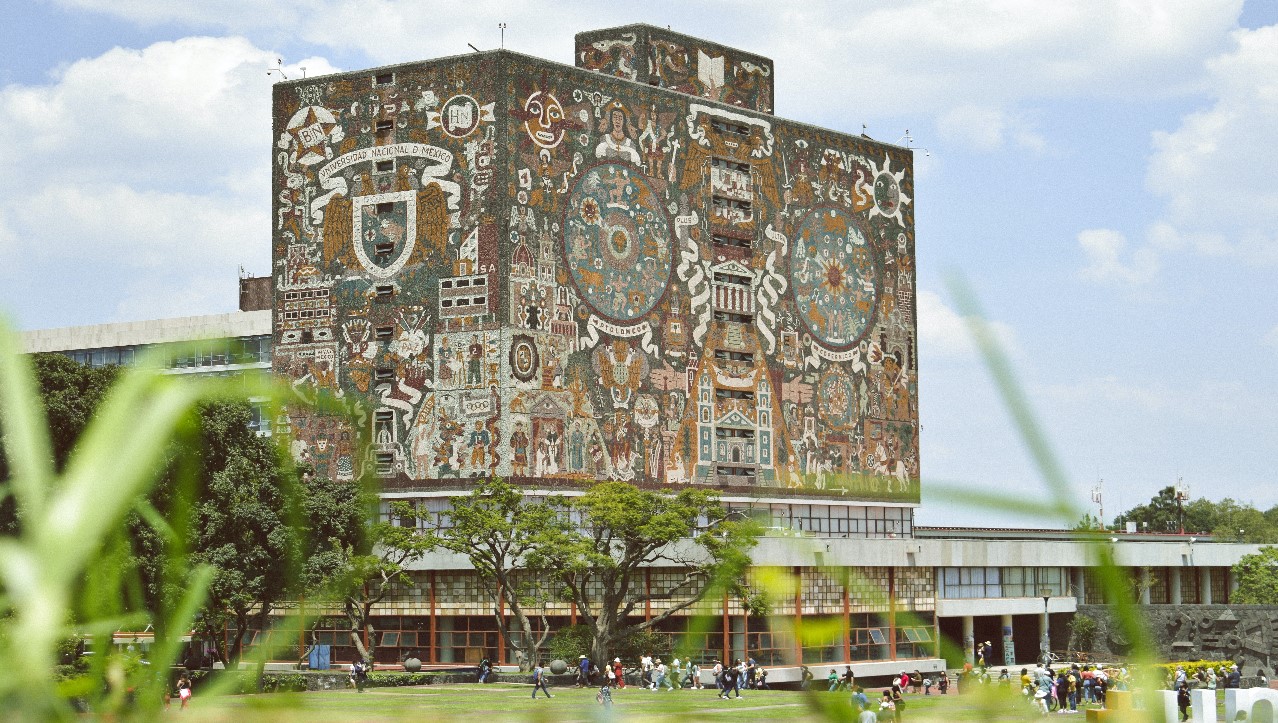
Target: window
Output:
[
  {"x": 479, "y": 300},
  {"x": 480, "y": 281},
  {"x": 385, "y": 463},
  {"x": 725, "y": 126},
  {"x": 464, "y": 301},
  {"x": 726, "y": 278},
  {"x": 383, "y": 79},
  {"x": 386, "y": 207},
  {"x": 385, "y": 126},
  {"x": 731, "y": 242},
  {"x": 448, "y": 284},
  {"x": 385, "y": 166},
  {"x": 731, "y": 433},
  {"x": 730, "y": 164},
  {"x": 385, "y": 333},
  {"x": 446, "y": 303},
  {"x": 384, "y": 374},
  {"x": 384, "y": 249},
  {"x": 463, "y": 283},
  {"x": 385, "y": 292},
  {"x": 734, "y": 317},
  {"x": 721, "y": 393}
]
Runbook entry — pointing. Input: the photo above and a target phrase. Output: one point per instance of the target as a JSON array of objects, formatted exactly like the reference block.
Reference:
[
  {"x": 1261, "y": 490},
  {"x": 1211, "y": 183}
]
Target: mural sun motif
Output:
[{"x": 888, "y": 198}]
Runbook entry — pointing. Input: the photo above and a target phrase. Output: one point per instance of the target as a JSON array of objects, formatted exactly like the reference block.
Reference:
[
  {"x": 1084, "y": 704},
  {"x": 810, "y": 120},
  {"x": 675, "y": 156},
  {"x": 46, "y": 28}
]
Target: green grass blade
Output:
[{"x": 25, "y": 428}]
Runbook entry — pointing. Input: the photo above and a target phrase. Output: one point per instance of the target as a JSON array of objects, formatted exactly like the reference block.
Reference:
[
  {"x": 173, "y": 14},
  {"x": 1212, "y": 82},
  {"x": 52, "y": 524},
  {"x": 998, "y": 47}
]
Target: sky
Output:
[{"x": 1100, "y": 174}]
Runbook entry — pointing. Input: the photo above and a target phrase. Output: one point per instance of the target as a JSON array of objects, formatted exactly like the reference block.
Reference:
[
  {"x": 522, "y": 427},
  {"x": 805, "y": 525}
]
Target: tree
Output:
[
  {"x": 70, "y": 393},
  {"x": 1236, "y": 522},
  {"x": 498, "y": 531},
  {"x": 243, "y": 524},
  {"x": 359, "y": 565},
  {"x": 229, "y": 498},
  {"x": 1257, "y": 577},
  {"x": 624, "y": 531}
]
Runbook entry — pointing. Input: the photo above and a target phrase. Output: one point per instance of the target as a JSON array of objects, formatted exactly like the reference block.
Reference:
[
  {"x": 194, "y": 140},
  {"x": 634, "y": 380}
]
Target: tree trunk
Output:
[{"x": 356, "y": 627}]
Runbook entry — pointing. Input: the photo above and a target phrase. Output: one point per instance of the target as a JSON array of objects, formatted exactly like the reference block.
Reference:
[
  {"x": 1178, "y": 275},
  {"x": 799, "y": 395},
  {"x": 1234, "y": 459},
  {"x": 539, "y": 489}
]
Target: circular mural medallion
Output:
[
  {"x": 617, "y": 242},
  {"x": 833, "y": 274},
  {"x": 523, "y": 358}
]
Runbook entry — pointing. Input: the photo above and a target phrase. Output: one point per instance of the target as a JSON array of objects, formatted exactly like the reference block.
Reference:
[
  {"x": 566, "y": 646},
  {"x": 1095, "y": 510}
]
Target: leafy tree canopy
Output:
[{"x": 1257, "y": 577}]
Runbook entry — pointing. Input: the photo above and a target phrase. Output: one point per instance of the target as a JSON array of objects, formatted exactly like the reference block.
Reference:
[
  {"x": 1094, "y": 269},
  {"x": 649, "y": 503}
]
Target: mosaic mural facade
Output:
[{"x": 503, "y": 265}]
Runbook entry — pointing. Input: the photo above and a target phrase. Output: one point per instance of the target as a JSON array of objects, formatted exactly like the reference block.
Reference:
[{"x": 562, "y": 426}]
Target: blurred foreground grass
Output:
[{"x": 501, "y": 702}]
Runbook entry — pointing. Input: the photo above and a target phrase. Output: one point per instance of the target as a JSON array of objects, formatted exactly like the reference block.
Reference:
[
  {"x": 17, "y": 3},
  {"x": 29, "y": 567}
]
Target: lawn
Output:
[{"x": 501, "y": 702}]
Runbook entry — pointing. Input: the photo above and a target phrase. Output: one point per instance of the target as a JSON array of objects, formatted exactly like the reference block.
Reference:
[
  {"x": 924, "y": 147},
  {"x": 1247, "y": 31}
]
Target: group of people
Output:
[
  {"x": 740, "y": 675},
  {"x": 1062, "y": 690}
]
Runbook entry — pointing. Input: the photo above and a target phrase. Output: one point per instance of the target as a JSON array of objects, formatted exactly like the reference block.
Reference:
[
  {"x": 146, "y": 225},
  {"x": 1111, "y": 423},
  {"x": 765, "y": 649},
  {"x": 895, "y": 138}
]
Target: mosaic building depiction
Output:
[{"x": 627, "y": 270}]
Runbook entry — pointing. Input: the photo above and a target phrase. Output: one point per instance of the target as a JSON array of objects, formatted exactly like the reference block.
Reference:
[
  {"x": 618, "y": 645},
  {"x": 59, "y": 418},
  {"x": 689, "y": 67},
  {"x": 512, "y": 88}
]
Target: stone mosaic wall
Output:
[
  {"x": 505, "y": 265},
  {"x": 658, "y": 57},
  {"x": 1245, "y": 634}
]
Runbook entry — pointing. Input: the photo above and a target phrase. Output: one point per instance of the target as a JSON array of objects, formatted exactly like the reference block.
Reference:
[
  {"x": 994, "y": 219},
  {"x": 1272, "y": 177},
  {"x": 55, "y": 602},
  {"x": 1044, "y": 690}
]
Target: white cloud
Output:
[
  {"x": 946, "y": 334},
  {"x": 903, "y": 55},
  {"x": 986, "y": 128},
  {"x": 1107, "y": 261},
  {"x": 147, "y": 160},
  {"x": 1216, "y": 171}
]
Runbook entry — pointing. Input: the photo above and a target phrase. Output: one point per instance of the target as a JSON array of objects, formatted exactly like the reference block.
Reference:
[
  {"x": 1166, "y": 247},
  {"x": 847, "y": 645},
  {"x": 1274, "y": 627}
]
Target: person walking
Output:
[
  {"x": 583, "y": 671},
  {"x": 485, "y": 668},
  {"x": 184, "y": 689},
  {"x": 731, "y": 680},
  {"x": 620, "y": 672},
  {"x": 898, "y": 697},
  {"x": 805, "y": 677},
  {"x": 1182, "y": 699},
  {"x": 539, "y": 681}
]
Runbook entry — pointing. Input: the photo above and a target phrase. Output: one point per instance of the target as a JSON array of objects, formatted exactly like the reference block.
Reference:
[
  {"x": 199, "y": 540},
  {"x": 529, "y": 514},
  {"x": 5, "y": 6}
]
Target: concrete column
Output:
[
  {"x": 1045, "y": 642},
  {"x": 1174, "y": 584},
  {"x": 1204, "y": 585},
  {"x": 969, "y": 639},
  {"x": 1009, "y": 645},
  {"x": 1080, "y": 586},
  {"x": 1145, "y": 582}
]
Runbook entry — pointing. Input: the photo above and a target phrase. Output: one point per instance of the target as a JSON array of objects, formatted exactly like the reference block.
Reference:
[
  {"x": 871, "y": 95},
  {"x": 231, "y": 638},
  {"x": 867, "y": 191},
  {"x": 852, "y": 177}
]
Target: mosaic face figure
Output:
[{"x": 545, "y": 119}]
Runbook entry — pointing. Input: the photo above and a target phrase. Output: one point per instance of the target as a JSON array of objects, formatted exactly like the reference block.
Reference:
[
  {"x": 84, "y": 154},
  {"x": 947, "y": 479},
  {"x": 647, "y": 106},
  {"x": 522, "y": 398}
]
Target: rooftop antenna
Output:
[
  {"x": 503, "y": 34},
  {"x": 1182, "y": 496},
  {"x": 1098, "y": 497},
  {"x": 909, "y": 143},
  {"x": 279, "y": 68}
]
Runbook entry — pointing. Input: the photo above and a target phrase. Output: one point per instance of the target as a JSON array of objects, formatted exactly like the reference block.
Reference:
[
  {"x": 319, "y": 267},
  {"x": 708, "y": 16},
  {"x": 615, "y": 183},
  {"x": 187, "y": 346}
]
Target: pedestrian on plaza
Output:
[
  {"x": 676, "y": 673},
  {"x": 833, "y": 680},
  {"x": 184, "y": 689},
  {"x": 761, "y": 679},
  {"x": 693, "y": 679},
  {"x": 731, "y": 680},
  {"x": 1234, "y": 679},
  {"x": 750, "y": 667},
  {"x": 539, "y": 681},
  {"x": 619, "y": 672},
  {"x": 943, "y": 684},
  {"x": 898, "y": 702},
  {"x": 859, "y": 698},
  {"x": 645, "y": 674},
  {"x": 805, "y": 677},
  {"x": 1182, "y": 700},
  {"x": 583, "y": 671},
  {"x": 663, "y": 677},
  {"x": 719, "y": 677},
  {"x": 485, "y": 668},
  {"x": 848, "y": 679}
]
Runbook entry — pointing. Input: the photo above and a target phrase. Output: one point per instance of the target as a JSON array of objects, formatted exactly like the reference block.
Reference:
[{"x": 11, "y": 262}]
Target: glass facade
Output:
[
  {"x": 211, "y": 353},
  {"x": 986, "y": 582}
]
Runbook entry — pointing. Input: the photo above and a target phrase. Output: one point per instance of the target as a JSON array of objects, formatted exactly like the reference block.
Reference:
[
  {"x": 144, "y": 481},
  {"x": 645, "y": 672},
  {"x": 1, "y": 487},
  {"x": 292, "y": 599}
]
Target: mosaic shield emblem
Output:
[{"x": 384, "y": 228}]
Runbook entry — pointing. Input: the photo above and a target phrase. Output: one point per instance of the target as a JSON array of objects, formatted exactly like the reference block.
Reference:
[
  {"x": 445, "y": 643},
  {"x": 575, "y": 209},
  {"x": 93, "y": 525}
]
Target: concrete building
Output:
[{"x": 630, "y": 269}]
